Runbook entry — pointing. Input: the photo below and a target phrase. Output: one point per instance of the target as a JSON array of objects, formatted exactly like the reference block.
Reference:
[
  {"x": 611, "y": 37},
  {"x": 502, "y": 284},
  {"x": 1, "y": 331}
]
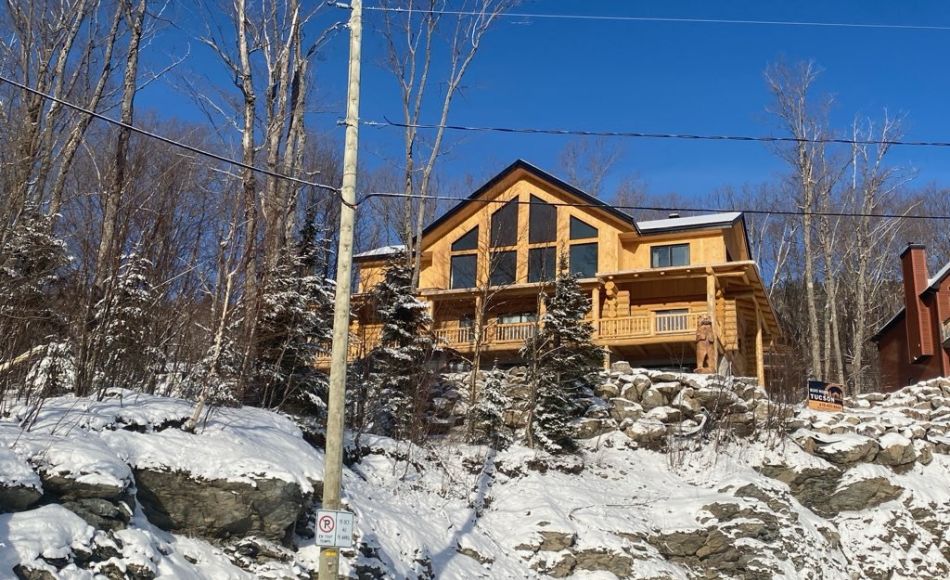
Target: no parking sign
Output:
[{"x": 334, "y": 528}]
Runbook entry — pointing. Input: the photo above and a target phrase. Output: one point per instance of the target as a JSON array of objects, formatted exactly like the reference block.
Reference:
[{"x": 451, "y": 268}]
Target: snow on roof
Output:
[
  {"x": 938, "y": 277},
  {"x": 381, "y": 252},
  {"x": 698, "y": 221}
]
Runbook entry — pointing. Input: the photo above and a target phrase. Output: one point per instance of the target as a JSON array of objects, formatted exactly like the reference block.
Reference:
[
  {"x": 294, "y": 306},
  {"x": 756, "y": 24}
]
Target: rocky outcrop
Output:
[{"x": 177, "y": 502}]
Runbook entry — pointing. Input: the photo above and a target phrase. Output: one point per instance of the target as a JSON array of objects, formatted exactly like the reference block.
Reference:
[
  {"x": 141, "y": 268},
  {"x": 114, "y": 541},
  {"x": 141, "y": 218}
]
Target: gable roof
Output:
[
  {"x": 689, "y": 223},
  {"x": 523, "y": 165}
]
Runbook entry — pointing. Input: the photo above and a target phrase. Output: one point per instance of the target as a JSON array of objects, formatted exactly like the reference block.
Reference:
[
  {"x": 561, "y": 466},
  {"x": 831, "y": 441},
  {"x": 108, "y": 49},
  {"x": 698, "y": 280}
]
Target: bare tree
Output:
[
  {"x": 874, "y": 186},
  {"x": 588, "y": 161},
  {"x": 415, "y": 44},
  {"x": 813, "y": 179}
]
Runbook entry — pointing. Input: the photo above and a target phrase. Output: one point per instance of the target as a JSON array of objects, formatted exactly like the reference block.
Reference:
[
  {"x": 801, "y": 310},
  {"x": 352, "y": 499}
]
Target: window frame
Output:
[
  {"x": 581, "y": 224},
  {"x": 544, "y": 275},
  {"x": 453, "y": 270},
  {"x": 668, "y": 249},
  {"x": 494, "y": 264},
  {"x": 535, "y": 209},
  {"x": 596, "y": 254},
  {"x": 498, "y": 232}
]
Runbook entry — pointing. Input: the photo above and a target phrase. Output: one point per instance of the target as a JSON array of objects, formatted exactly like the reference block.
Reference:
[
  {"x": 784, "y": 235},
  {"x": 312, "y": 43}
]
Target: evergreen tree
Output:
[
  {"x": 487, "y": 414},
  {"x": 561, "y": 360},
  {"x": 296, "y": 317},
  {"x": 399, "y": 377},
  {"x": 123, "y": 319}
]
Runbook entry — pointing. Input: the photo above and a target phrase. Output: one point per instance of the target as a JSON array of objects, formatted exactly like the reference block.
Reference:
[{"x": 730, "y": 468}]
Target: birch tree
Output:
[{"x": 419, "y": 36}]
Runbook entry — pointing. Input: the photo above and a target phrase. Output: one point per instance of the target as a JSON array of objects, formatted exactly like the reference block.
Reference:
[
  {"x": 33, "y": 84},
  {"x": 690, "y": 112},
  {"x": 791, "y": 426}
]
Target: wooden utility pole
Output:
[{"x": 333, "y": 462}]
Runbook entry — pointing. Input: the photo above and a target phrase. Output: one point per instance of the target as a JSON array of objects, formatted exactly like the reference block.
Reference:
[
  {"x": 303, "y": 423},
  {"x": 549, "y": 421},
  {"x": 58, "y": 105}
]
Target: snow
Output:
[
  {"x": 236, "y": 444},
  {"x": 14, "y": 471},
  {"x": 382, "y": 252},
  {"x": 51, "y": 532},
  {"x": 715, "y": 219},
  {"x": 133, "y": 429},
  {"x": 938, "y": 277}
]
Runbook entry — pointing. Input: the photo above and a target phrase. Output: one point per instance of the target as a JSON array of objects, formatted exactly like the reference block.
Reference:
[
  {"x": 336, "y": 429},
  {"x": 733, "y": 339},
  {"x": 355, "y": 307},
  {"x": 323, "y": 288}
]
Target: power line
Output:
[
  {"x": 648, "y": 135},
  {"x": 368, "y": 196},
  {"x": 673, "y": 20},
  {"x": 168, "y": 140}
]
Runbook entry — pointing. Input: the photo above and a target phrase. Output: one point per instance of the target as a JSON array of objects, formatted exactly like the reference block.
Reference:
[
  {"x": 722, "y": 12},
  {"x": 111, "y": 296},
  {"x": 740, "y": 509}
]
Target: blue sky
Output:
[{"x": 646, "y": 76}]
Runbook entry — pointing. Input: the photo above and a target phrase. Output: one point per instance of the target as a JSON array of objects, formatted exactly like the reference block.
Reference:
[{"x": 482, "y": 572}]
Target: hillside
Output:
[{"x": 116, "y": 489}]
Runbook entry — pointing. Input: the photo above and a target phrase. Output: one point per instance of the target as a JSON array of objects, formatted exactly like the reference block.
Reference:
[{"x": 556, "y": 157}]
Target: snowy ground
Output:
[{"x": 736, "y": 508}]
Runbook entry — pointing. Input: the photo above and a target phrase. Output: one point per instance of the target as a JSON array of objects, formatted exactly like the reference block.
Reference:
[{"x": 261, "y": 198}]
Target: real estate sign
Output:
[{"x": 824, "y": 396}]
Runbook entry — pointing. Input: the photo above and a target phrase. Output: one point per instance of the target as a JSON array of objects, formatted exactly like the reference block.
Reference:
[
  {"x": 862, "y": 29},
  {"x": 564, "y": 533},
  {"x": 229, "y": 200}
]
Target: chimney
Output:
[{"x": 917, "y": 319}]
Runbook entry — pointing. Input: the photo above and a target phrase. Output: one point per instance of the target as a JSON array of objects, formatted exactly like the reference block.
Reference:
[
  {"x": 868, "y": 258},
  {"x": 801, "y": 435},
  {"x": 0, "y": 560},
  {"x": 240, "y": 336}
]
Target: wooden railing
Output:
[
  {"x": 516, "y": 332},
  {"x": 456, "y": 336},
  {"x": 648, "y": 325},
  {"x": 494, "y": 333},
  {"x": 355, "y": 349}
]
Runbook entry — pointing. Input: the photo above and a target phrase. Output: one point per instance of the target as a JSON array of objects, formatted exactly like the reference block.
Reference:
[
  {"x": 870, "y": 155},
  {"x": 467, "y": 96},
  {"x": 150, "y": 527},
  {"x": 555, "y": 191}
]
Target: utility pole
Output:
[{"x": 333, "y": 462}]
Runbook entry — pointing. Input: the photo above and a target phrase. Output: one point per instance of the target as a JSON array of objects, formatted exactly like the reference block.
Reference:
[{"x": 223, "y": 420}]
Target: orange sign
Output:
[{"x": 824, "y": 396}]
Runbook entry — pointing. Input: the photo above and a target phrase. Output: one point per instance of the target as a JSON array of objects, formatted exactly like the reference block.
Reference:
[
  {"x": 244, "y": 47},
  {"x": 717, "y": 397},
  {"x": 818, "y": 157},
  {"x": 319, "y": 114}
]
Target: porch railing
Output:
[
  {"x": 651, "y": 324},
  {"x": 457, "y": 336},
  {"x": 494, "y": 333}
]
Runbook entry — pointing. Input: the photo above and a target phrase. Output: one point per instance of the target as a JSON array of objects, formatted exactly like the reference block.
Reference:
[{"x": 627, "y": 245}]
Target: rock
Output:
[
  {"x": 102, "y": 514},
  {"x": 174, "y": 501},
  {"x": 617, "y": 563},
  {"x": 686, "y": 401},
  {"x": 665, "y": 415},
  {"x": 925, "y": 451},
  {"x": 679, "y": 544},
  {"x": 607, "y": 390},
  {"x": 621, "y": 367},
  {"x": 664, "y": 376},
  {"x": 552, "y": 541},
  {"x": 561, "y": 569},
  {"x": 863, "y": 494},
  {"x": 846, "y": 449},
  {"x": 811, "y": 486},
  {"x": 648, "y": 434},
  {"x": 668, "y": 389},
  {"x": 591, "y": 427},
  {"x": 621, "y": 409},
  {"x": 14, "y": 498},
  {"x": 895, "y": 450},
  {"x": 475, "y": 555},
  {"x": 742, "y": 424},
  {"x": 652, "y": 399},
  {"x": 873, "y": 397}
]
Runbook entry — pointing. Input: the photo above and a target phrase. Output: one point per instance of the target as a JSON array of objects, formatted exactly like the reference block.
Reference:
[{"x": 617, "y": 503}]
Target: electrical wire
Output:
[
  {"x": 707, "y": 210},
  {"x": 644, "y": 135},
  {"x": 673, "y": 20},
  {"x": 170, "y": 141}
]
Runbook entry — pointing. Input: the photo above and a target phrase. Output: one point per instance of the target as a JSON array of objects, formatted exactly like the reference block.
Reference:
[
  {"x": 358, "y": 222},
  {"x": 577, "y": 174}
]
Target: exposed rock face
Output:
[
  {"x": 219, "y": 509},
  {"x": 15, "y": 498}
]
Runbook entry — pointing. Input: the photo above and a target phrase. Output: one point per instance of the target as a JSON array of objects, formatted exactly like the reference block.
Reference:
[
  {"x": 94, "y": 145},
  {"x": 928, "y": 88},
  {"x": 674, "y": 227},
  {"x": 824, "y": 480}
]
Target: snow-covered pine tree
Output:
[
  {"x": 296, "y": 317},
  {"x": 399, "y": 377},
  {"x": 561, "y": 360},
  {"x": 31, "y": 265},
  {"x": 122, "y": 318},
  {"x": 487, "y": 414}
]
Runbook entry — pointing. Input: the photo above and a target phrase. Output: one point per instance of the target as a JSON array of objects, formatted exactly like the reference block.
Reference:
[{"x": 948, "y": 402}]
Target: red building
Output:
[{"x": 915, "y": 344}]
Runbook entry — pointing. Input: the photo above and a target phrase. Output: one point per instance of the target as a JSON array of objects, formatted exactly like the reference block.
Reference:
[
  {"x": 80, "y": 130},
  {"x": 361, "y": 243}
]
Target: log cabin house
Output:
[{"x": 650, "y": 282}]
